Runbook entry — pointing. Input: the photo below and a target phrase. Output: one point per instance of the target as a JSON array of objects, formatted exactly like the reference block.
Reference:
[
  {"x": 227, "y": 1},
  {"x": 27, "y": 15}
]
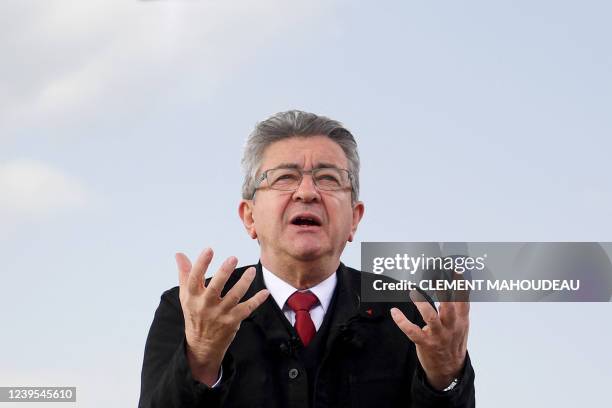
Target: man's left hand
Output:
[{"x": 441, "y": 345}]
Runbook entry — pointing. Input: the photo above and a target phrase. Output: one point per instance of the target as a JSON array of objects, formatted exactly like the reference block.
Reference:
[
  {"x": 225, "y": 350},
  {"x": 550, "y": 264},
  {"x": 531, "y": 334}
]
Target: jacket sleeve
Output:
[
  {"x": 166, "y": 379},
  {"x": 462, "y": 396}
]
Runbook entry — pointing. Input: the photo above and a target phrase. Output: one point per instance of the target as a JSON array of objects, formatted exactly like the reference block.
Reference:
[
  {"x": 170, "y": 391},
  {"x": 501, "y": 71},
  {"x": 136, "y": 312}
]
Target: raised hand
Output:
[
  {"x": 441, "y": 345},
  {"x": 212, "y": 321}
]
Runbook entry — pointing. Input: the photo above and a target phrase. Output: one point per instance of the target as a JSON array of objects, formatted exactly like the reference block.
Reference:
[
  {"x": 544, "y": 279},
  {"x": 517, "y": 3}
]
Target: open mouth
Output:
[{"x": 306, "y": 220}]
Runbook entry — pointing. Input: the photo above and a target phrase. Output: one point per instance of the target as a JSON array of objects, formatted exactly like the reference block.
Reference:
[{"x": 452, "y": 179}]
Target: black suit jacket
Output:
[{"x": 367, "y": 361}]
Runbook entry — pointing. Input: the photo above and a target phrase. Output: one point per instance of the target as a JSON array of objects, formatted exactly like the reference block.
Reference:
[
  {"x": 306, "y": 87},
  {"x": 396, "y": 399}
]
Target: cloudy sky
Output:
[{"x": 121, "y": 128}]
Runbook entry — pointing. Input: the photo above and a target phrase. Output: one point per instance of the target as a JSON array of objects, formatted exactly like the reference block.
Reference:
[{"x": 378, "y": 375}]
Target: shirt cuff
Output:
[{"x": 219, "y": 380}]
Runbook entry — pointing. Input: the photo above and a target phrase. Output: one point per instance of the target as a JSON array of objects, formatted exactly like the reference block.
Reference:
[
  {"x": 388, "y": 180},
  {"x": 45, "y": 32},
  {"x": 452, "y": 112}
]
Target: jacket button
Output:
[{"x": 293, "y": 373}]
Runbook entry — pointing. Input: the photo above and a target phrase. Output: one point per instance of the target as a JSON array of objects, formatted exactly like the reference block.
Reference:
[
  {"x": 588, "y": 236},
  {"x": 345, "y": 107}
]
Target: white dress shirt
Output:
[{"x": 281, "y": 290}]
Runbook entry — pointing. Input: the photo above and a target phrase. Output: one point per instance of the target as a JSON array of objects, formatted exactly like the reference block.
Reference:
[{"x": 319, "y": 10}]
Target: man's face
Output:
[{"x": 275, "y": 217}]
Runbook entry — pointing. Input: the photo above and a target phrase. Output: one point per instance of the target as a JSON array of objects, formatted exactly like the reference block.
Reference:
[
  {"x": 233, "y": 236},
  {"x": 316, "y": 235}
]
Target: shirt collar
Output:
[{"x": 281, "y": 290}]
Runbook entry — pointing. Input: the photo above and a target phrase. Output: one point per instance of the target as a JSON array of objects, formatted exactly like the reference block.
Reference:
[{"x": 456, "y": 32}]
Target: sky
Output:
[{"x": 121, "y": 131}]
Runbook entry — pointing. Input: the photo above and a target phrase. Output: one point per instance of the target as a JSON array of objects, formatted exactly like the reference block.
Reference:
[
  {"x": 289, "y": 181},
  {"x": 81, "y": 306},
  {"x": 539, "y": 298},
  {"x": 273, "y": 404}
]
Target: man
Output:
[{"x": 291, "y": 331}]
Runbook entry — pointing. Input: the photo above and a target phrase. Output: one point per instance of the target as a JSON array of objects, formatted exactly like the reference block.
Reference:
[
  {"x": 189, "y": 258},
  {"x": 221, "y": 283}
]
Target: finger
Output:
[
  {"x": 217, "y": 283},
  {"x": 447, "y": 313},
  {"x": 462, "y": 296},
  {"x": 183, "y": 265},
  {"x": 418, "y": 296},
  {"x": 411, "y": 330},
  {"x": 244, "y": 309},
  {"x": 428, "y": 313},
  {"x": 232, "y": 298},
  {"x": 443, "y": 295},
  {"x": 462, "y": 299},
  {"x": 463, "y": 308},
  {"x": 195, "y": 281}
]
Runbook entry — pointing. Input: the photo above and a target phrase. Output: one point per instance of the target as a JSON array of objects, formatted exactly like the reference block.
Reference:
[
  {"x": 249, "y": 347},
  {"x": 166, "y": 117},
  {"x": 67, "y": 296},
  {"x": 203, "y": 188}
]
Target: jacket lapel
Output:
[
  {"x": 267, "y": 315},
  {"x": 346, "y": 306}
]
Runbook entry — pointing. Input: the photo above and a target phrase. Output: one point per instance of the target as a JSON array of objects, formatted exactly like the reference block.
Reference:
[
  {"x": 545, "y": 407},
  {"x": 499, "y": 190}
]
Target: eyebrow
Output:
[{"x": 319, "y": 165}]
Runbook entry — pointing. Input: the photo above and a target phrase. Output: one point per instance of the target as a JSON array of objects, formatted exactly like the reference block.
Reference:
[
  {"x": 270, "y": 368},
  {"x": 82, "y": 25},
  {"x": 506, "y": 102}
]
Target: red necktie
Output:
[{"x": 301, "y": 303}]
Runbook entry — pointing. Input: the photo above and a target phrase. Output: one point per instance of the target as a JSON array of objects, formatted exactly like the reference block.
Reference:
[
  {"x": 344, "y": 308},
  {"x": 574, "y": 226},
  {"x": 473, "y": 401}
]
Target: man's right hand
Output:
[{"x": 211, "y": 321}]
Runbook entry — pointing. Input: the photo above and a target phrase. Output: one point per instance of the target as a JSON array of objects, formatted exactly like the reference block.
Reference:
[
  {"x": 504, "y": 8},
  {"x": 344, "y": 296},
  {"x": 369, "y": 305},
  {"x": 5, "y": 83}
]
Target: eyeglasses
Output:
[{"x": 289, "y": 179}]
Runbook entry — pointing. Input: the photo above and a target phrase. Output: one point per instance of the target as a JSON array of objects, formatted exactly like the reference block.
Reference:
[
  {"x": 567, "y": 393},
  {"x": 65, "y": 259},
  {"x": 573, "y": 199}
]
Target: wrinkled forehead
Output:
[{"x": 304, "y": 153}]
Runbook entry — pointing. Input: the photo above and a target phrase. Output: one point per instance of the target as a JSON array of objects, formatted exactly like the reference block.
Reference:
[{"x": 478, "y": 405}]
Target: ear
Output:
[
  {"x": 245, "y": 211},
  {"x": 358, "y": 210}
]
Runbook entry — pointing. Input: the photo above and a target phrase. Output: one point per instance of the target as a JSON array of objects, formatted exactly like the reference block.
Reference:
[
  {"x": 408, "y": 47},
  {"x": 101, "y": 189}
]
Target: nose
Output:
[{"x": 306, "y": 191}]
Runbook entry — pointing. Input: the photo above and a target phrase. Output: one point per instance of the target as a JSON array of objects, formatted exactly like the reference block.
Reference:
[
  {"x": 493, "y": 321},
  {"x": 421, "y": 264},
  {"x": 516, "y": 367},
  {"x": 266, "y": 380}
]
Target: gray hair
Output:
[{"x": 293, "y": 123}]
